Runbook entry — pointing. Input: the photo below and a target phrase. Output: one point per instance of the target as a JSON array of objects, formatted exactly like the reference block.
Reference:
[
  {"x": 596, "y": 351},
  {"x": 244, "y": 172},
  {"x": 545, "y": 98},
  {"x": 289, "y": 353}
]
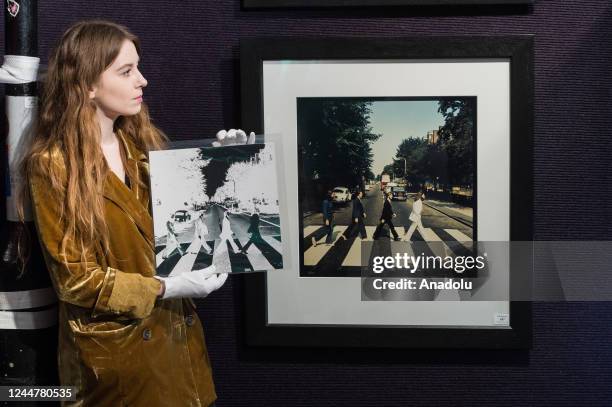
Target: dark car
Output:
[
  {"x": 181, "y": 216},
  {"x": 398, "y": 193}
]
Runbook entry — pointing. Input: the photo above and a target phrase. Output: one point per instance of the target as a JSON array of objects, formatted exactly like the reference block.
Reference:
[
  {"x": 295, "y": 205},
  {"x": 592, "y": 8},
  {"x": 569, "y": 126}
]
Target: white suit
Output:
[
  {"x": 415, "y": 217},
  {"x": 200, "y": 232},
  {"x": 226, "y": 234},
  {"x": 172, "y": 242}
]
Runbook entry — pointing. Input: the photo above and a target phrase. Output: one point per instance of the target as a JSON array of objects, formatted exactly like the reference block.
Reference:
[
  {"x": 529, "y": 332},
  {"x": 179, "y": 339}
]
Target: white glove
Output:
[
  {"x": 233, "y": 137},
  {"x": 196, "y": 283}
]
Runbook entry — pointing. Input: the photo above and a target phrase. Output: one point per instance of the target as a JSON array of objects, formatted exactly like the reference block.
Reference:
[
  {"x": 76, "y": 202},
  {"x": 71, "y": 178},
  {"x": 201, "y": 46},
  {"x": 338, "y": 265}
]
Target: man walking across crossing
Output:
[
  {"x": 328, "y": 216},
  {"x": 386, "y": 218}
]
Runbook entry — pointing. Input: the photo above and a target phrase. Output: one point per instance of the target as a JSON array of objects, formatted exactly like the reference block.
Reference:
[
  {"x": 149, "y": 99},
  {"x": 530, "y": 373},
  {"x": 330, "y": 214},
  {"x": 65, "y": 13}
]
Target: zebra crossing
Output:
[
  {"x": 264, "y": 254},
  {"x": 344, "y": 257}
]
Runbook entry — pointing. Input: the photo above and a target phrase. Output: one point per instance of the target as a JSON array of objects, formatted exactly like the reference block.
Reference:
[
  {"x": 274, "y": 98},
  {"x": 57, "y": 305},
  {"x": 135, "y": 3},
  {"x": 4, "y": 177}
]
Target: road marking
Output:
[
  {"x": 314, "y": 254},
  {"x": 221, "y": 258},
  {"x": 276, "y": 245},
  {"x": 159, "y": 257},
  {"x": 459, "y": 236},
  {"x": 186, "y": 262},
  {"x": 438, "y": 246},
  {"x": 310, "y": 229},
  {"x": 255, "y": 256},
  {"x": 353, "y": 257}
]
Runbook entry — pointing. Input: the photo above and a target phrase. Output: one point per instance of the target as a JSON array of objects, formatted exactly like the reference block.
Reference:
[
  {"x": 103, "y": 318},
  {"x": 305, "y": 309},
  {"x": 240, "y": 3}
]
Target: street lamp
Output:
[{"x": 405, "y": 165}]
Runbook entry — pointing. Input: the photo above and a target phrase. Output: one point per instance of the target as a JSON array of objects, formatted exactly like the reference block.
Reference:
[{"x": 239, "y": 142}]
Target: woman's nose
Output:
[{"x": 142, "y": 82}]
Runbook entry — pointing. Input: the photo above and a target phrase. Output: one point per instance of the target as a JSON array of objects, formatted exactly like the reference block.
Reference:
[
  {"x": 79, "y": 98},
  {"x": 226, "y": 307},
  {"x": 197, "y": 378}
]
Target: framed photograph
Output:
[
  {"x": 420, "y": 140},
  {"x": 389, "y": 149},
  {"x": 370, "y": 3},
  {"x": 210, "y": 208}
]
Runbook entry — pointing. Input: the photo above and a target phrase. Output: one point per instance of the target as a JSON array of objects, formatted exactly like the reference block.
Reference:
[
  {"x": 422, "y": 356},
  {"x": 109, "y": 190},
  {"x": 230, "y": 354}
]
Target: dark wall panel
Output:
[{"x": 190, "y": 60}]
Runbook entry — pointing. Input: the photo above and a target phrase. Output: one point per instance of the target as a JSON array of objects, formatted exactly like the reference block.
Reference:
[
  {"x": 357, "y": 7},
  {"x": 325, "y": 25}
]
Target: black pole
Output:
[{"x": 28, "y": 307}]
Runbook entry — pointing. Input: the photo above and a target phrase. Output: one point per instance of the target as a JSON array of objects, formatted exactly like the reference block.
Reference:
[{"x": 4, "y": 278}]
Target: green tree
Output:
[
  {"x": 457, "y": 138},
  {"x": 336, "y": 138},
  {"x": 414, "y": 151}
]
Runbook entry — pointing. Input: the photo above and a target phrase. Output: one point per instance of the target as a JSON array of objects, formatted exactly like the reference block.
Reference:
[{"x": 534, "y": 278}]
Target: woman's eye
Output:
[{"x": 127, "y": 73}]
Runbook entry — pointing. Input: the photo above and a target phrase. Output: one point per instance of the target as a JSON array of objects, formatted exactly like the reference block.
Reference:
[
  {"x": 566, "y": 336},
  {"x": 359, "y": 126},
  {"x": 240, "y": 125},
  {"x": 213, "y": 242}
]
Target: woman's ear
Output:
[{"x": 92, "y": 92}]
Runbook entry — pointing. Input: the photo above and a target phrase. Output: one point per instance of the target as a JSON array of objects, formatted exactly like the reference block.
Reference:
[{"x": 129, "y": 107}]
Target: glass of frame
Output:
[{"x": 285, "y": 80}]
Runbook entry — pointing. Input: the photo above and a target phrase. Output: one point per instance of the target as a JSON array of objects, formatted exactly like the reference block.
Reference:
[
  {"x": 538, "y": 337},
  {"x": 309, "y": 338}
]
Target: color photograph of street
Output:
[{"x": 384, "y": 170}]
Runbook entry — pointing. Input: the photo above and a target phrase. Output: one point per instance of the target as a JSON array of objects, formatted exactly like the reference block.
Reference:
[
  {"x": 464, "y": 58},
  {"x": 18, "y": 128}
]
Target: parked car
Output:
[
  {"x": 398, "y": 194},
  {"x": 181, "y": 216},
  {"x": 181, "y": 219},
  {"x": 341, "y": 195}
]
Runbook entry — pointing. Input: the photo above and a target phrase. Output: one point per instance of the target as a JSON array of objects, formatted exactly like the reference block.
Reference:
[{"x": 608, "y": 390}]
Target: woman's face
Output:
[{"x": 119, "y": 89}]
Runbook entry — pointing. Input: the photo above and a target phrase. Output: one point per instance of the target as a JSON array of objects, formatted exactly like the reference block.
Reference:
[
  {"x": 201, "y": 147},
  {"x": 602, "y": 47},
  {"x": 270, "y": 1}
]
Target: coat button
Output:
[
  {"x": 146, "y": 334},
  {"x": 189, "y": 320}
]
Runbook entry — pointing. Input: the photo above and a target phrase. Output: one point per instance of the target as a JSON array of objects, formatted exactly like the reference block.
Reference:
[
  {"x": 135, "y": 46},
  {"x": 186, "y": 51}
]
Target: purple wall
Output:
[{"x": 190, "y": 60}]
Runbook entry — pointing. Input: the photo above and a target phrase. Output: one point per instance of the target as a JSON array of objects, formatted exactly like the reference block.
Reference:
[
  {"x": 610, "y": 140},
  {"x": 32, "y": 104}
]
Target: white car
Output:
[{"x": 341, "y": 195}]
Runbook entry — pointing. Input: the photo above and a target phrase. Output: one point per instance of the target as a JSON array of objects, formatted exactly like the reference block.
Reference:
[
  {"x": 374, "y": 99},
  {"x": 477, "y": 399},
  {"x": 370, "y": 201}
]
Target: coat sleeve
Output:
[{"x": 85, "y": 283}]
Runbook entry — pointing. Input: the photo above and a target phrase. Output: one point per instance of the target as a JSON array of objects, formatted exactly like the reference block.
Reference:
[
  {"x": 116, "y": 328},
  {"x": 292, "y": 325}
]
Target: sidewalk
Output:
[{"x": 452, "y": 209}]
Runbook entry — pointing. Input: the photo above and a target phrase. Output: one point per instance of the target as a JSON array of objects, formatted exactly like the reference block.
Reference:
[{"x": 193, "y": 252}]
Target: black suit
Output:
[
  {"x": 357, "y": 227},
  {"x": 387, "y": 217},
  {"x": 254, "y": 231}
]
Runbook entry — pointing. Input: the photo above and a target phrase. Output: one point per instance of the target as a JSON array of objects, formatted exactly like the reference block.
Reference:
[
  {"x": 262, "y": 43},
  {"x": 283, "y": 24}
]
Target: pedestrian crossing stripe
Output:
[
  {"x": 440, "y": 249},
  {"x": 313, "y": 255},
  {"x": 460, "y": 237},
  {"x": 353, "y": 258},
  {"x": 221, "y": 257},
  {"x": 276, "y": 244},
  {"x": 253, "y": 260},
  {"x": 187, "y": 260},
  {"x": 256, "y": 258},
  {"x": 310, "y": 229}
]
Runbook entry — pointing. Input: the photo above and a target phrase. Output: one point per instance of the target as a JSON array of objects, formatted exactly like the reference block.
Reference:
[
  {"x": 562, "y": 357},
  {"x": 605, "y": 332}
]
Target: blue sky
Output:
[{"x": 397, "y": 120}]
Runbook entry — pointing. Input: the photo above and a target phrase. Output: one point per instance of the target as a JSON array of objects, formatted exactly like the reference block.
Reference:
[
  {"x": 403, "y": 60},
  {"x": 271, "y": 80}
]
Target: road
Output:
[
  {"x": 265, "y": 254},
  {"x": 373, "y": 204},
  {"x": 343, "y": 258}
]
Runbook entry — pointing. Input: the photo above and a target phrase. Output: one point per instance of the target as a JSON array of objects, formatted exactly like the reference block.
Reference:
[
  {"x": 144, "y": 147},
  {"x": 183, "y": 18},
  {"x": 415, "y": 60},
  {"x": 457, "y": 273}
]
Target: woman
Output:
[
  {"x": 415, "y": 217},
  {"x": 126, "y": 337}
]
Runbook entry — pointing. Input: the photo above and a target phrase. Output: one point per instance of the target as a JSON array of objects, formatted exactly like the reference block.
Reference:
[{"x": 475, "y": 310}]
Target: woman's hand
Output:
[
  {"x": 196, "y": 283},
  {"x": 232, "y": 137}
]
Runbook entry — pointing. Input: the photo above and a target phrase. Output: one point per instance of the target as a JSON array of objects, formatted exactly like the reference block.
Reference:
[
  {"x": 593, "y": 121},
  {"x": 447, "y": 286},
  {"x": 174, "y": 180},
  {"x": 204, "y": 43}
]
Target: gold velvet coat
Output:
[{"x": 119, "y": 344}]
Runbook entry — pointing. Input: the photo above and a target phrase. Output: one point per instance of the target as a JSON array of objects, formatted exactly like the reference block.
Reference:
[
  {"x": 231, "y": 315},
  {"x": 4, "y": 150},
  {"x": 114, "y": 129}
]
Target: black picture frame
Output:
[
  {"x": 519, "y": 51},
  {"x": 263, "y": 4}
]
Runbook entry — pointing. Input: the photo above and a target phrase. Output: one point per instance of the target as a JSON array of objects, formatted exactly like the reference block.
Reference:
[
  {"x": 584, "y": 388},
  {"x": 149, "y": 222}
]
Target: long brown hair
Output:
[{"x": 67, "y": 123}]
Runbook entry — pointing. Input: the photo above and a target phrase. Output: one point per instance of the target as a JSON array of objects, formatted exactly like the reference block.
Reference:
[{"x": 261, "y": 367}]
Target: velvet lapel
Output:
[{"x": 131, "y": 201}]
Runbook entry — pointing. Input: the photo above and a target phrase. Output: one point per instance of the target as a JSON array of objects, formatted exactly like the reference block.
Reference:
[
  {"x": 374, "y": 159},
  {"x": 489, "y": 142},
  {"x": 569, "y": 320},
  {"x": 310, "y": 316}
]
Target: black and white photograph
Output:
[
  {"x": 210, "y": 207},
  {"x": 384, "y": 169}
]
